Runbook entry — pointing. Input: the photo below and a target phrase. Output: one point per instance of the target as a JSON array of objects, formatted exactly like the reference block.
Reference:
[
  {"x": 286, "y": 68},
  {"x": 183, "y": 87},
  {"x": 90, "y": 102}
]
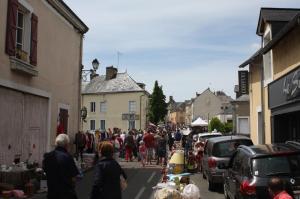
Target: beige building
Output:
[
  {"x": 176, "y": 112},
  {"x": 115, "y": 100},
  {"x": 274, "y": 76},
  {"x": 210, "y": 104},
  {"x": 241, "y": 115},
  {"x": 40, "y": 63}
]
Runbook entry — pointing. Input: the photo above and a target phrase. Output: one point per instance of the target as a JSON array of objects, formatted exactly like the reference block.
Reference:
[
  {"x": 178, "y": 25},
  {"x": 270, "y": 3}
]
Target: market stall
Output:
[
  {"x": 175, "y": 182},
  {"x": 199, "y": 125}
]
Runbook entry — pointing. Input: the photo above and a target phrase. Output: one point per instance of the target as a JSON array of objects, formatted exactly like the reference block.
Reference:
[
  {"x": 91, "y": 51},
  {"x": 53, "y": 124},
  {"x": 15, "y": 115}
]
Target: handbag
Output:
[{"x": 123, "y": 183}]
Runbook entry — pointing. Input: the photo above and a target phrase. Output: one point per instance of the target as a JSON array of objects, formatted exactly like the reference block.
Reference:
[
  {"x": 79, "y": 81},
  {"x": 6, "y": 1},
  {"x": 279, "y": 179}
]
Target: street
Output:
[{"x": 140, "y": 183}]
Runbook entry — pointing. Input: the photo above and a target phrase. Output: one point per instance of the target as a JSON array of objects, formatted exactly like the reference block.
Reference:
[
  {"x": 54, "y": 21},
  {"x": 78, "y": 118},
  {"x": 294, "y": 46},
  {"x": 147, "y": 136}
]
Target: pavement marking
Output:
[
  {"x": 140, "y": 193},
  {"x": 150, "y": 178}
]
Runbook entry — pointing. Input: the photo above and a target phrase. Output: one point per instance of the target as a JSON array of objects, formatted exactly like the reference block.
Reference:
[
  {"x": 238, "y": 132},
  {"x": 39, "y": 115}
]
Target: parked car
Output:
[
  {"x": 217, "y": 151},
  {"x": 202, "y": 137},
  {"x": 251, "y": 168}
]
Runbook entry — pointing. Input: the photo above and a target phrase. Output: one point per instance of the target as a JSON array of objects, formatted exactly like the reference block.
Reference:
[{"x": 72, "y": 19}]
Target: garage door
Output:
[
  {"x": 23, "y": 127},
  {"x": 243, "y": 126}
]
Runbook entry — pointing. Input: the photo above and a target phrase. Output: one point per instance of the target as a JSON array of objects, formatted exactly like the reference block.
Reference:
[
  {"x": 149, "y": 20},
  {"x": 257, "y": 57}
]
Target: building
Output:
[
  {"x": 241, "y": 115},
  {"x": 40, "y": 64},
  {"x": 176, "y": 112},
  {"x": 115, "y": 100},
  {"x": 189, "y": 111},
  {"x": 274, "y": 76},
  {"x": 210, "y": 104}
]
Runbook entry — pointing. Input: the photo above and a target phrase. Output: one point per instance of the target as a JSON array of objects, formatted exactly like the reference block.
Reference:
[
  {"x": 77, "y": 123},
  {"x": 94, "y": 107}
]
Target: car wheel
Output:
[
  {"x": 226, "y": 192},
  {"x": 211, "y": 185}
]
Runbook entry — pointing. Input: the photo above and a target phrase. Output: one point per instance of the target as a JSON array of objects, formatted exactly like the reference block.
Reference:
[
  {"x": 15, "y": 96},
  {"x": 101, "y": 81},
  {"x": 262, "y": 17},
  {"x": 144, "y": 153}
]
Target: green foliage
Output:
[
  {"x": 228, "y": 127},
  {"x": 215, "y": 123},
  {"x": 157, "y": 105}
]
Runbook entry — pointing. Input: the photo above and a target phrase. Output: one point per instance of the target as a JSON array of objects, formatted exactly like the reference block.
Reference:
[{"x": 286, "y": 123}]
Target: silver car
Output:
[{"x": 217, "y": 151}]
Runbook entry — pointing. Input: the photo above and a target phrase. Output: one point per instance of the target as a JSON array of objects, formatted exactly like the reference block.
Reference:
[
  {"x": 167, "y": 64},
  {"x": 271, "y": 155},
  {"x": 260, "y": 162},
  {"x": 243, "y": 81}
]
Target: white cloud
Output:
[{"x": 224, "y": 29}]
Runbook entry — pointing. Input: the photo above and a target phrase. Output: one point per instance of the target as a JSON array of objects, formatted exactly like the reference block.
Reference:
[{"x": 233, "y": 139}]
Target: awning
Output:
[{"x": 199, "y": 122}]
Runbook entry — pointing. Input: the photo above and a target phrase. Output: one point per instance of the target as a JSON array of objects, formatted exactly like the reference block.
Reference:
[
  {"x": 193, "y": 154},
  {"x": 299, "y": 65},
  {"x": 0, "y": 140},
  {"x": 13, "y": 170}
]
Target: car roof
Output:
[
  {"x": 206, "y": 134},
  {"x": 228, "y": 137},
  {"x": 271, "y": 149}
]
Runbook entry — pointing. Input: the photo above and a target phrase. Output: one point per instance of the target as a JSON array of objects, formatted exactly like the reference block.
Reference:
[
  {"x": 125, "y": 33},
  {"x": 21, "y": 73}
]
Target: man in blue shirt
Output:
[{"x": 60, "y": 170}]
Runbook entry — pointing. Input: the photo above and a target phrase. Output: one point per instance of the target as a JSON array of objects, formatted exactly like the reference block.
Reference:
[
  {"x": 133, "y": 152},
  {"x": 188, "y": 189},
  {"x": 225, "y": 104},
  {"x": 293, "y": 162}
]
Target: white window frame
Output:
[
  {"x": 132, "y": 106},
  {"x": 268, "y": 33},
  {"x": 26, "y": 10},
  {"x": 92, "y": 107},
  {"x": 92, "y": 125},
  {"x": 101, "y": 125},
  {"x": 103, "y": 107}
]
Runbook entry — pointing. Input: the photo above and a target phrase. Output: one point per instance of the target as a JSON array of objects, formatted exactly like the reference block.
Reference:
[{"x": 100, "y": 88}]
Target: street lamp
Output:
[{"x": 91, "y": 72}]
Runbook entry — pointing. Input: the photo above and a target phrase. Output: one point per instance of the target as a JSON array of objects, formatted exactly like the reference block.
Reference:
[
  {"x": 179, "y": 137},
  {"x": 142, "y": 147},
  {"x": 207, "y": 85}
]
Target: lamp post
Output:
[
  {"x": 91, "y": 72},
  {"x": 84, "y": 74}
]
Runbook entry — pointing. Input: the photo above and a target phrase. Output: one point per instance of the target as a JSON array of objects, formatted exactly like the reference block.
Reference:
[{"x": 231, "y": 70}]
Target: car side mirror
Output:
[{"x": 223, "y": 166}]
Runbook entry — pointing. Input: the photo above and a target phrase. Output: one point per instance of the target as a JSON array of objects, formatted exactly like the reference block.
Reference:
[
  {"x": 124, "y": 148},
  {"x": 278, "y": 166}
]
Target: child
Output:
[{"x": 142, "y": 152}]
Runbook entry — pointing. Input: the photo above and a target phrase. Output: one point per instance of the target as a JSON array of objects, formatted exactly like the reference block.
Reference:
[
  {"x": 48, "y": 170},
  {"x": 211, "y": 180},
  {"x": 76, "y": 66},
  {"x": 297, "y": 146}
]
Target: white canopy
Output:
[{"x": 199, "y": 122}]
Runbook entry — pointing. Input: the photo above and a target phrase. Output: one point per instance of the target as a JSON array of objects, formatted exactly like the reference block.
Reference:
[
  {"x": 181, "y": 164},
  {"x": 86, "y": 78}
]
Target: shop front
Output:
[{"x": 284, "y": 103}]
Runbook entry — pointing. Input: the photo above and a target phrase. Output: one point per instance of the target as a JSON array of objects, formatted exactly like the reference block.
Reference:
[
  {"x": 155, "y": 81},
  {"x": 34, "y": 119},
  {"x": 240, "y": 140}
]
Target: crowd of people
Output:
[{"x": 146, "y": 146}]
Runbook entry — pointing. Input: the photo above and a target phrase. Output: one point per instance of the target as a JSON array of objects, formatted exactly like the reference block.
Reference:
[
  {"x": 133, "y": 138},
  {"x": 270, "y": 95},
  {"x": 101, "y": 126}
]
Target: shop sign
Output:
[
  {"x": 291, "y": 85},
  {"x": 285, "y": 89},
  {"x": 130, "y": 116}
]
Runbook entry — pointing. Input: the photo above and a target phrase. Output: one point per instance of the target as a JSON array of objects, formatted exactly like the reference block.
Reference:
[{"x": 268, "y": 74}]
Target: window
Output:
[
  {"x": 237, "y": 161},
  {"x": 227, "y": 148},
  {"x": 132, "y": 106},
  {"x": 93, "y": 106},
  {"x": 92, "y": 125},
  {"x": 102, "y": 125},
  {"x": 103, "y": 107},
  {"x": 20, "y": 30},
  {"x": 284, "y": 165},
  {"x": 131, "y": 124},
  {"x": 267, "y": 59},
  {"x": 21, "y": 37}
]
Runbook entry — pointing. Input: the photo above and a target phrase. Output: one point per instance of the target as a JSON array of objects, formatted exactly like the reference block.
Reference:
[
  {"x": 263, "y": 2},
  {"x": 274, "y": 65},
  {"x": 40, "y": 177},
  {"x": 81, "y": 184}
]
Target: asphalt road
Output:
[
  {"x": 140, "y": 183},
  {"x": 203, "y": 186}
]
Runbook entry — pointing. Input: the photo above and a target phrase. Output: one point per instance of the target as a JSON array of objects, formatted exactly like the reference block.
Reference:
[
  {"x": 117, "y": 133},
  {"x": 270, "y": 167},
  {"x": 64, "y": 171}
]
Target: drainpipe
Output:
[
  {"x": 80, "y": 82},
  {"x": 141, "y": 111},
  {"x": 262, "y": 78}
]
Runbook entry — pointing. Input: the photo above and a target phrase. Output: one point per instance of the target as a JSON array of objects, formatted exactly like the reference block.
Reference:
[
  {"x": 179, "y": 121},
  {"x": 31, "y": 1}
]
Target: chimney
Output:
[
  {"x": 171, "y": 98},
  {"x": 111, "y": 72},
  {"x": 142, "y": 85}
]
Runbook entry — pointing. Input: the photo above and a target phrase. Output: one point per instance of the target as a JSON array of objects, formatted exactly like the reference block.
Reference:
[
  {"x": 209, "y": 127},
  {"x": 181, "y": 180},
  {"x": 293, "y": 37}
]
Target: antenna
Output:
[{"x": 118, "y": 55}]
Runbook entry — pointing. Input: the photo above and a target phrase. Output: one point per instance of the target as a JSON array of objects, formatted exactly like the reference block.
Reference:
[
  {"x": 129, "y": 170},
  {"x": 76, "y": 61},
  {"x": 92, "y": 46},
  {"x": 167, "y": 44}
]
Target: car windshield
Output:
[
  {"x": 227, "y": 148},
  {"x": 208, "y": 136},
  {"x": 277, "y": 165}
]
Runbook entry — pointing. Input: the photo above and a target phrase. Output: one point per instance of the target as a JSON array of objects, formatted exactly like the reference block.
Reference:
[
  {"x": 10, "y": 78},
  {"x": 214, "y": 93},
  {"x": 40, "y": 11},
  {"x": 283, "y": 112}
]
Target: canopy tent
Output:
[{"x": 199, "y": 122}]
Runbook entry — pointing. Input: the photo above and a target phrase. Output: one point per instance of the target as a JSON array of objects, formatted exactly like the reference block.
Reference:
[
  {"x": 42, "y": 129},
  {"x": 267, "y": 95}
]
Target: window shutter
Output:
[
  {"x": 33, "y": 43},
  {"x": 11, "y": 27}
]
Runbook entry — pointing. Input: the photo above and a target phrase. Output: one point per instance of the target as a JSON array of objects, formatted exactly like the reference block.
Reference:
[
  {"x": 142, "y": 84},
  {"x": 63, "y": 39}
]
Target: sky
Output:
[{"x": 187, "y": 45}]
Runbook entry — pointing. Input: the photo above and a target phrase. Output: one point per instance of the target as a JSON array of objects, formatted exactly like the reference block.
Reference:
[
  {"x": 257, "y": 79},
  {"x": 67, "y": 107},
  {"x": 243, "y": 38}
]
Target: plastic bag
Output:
[
  {"x": 167, "y": 193},
  {"x": 191, "y": 191}
]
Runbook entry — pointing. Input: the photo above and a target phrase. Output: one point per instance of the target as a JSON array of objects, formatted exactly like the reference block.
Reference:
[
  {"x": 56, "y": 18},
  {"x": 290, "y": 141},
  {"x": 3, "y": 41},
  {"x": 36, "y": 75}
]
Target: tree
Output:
[
  {"x": 228, "y": 127},
  {"x": 215, "y": 123},
  {"x": 157, "y": 104}
]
